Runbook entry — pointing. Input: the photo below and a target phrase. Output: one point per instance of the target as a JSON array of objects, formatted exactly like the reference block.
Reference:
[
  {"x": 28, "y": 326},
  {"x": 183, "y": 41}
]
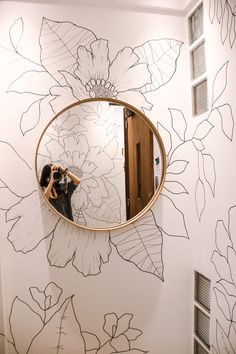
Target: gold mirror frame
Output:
[{"x": 162, "y": 156}]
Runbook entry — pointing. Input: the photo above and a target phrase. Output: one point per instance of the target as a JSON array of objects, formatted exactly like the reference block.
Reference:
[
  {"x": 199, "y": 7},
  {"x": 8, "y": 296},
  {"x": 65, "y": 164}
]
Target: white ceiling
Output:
[{"x": 175, "y": 7}]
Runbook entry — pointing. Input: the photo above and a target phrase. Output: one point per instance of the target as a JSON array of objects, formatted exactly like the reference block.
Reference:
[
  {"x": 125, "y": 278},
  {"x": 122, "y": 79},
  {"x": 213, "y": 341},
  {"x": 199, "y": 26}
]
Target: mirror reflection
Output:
[{"x": 100, "y": 163}]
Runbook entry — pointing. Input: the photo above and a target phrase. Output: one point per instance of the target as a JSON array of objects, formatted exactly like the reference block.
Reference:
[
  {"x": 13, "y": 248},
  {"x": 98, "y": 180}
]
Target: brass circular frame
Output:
[{"x": 162, "y": 152}]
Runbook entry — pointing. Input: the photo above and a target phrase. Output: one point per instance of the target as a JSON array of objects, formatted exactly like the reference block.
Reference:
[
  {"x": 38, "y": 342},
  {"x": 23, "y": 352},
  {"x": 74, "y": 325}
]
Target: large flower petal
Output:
[
  {"x": 93, "y": 249},
  {"x": 126, "y": 73},
  {"x": 88, "y": 249},
  {"x": 63, "y": 244},
  {"x": 33, "y": 215},
  {"x": 93, "y": 64}
]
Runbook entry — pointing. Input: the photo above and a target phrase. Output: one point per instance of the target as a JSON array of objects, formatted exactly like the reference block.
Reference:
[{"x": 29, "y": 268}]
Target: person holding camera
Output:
[{"x": 57, "y": 190}]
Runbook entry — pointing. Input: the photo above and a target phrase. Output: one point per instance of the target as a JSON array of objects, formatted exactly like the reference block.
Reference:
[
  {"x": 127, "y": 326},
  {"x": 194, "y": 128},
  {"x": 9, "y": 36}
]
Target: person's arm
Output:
[
  {"x": 72, "y": 176},
  {"x": 47, "y": 191}
]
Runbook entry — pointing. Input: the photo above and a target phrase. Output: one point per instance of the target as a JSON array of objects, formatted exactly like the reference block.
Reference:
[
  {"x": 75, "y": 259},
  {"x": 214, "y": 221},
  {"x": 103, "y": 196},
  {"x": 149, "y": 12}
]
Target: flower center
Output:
[{"x": 100, "y": 88}]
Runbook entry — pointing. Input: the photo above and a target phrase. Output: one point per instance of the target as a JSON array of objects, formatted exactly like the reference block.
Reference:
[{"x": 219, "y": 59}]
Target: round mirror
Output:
[{"x": 100, "y": 163}]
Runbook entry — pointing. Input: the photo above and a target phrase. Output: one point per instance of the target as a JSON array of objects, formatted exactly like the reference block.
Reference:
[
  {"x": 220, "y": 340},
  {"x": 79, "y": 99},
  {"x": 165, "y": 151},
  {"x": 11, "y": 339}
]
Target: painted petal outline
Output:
[
  {"x": 126, "y": 73},
  {"x": 39, "y": 225},
  {"x": 93, "y": 63}
]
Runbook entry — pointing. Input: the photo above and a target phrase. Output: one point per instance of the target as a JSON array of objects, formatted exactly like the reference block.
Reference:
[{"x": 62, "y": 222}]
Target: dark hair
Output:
[{"x": 45, "y": 175}]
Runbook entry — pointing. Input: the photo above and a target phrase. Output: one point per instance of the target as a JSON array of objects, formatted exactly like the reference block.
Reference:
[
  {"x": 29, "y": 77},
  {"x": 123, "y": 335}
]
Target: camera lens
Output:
[{"x": 57, "y": 175}]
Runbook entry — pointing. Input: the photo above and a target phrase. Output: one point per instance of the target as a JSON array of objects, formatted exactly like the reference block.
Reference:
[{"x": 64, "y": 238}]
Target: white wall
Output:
[{"x": 56, "y": 275}]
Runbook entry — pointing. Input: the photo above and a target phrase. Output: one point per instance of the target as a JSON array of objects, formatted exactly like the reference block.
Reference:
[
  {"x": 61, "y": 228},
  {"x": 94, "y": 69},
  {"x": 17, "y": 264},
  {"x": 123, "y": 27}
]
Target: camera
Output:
[{"x": 57, "y": 175}]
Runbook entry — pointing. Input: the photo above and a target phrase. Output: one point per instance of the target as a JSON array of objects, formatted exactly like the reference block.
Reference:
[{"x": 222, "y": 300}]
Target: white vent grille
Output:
[
  {"x": 200, "y": 99},
  {"x": 198, "y": 60},
  {"x": 199, "y": 349},
  {"x": 202, "y": 326},
  {"x": 203, "y": 291},
  {"x": 196, "y": 24}
]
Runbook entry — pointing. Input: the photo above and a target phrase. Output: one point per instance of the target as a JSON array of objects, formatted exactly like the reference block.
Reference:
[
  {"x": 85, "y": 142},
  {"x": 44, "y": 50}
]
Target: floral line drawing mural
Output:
[
  {"x": 75, "y": 64},
  {"x": 51, "y": 327},
  {"x": 224, "y": 13},
  {"x": 224, "y": 260},
  {"x": 175, "y": 138}
]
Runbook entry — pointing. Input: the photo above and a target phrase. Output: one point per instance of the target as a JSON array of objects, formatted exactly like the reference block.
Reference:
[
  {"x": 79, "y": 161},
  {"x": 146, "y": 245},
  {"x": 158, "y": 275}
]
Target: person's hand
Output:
[
  {"x": 55, "y": 168},
  {"x": 59, "y": 168}
]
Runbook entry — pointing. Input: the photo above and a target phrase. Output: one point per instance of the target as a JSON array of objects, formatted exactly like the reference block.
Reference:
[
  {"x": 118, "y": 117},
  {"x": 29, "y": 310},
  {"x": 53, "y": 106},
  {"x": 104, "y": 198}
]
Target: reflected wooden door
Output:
[{"x": 139, "y": 163}]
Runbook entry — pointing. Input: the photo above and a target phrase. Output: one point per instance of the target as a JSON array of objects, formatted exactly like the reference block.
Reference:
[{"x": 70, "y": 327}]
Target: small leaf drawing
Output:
[
  {"x": 175, "y": 187},
  {"x": 200, "y": 198},
  {"x": 225, "y": 22},
  {"x": 198, "y": 144},
  {"x": 232, "y": 262},
  {"x": 165, "y": 134},
  {"x": 222, "y": 266},
  {"x": 219, "y": 11},
  {"x": 219, "y": 83},
  {"x": 223, "y": 343},
  {"x": 232, "y": 31},
  {"x": 230, "y": 288},
  {"x": 62, "y": 333},
  {"x": 178, "y": 123},
  {"x": 212, "y": 10},
  {"x": 177, "y": 227},
  {"x": 16, "y": 32},
  {"x": 177, "y": 167},
  {"x": 232, "y": 222},
  {"x": 141, "y": 244},
  {"x": 31, "y": 117},
  {"x": 161, "y": 57},
  {"x": 59, "y": 42},
  {"x": 222, "y": 303},
  {"x": 202, "y": 130},
  {"x": 222, "y": 238},
  {"x": 227, "y": 120},
  {"x": 209, "y": 171}
]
